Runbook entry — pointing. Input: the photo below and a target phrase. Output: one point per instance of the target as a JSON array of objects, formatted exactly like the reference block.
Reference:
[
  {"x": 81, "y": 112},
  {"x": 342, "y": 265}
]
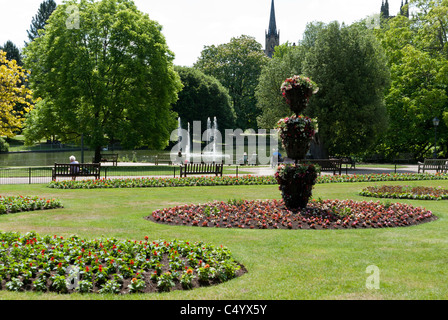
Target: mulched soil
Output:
[
  {"x": 151, "y": 285},
  {"x": 272, "y": 214}
]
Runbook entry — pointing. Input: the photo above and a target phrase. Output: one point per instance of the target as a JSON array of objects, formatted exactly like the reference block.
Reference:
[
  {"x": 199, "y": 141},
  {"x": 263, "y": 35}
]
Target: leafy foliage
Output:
[
  {"x": 39, "y": 21},
  {"x": 349, "y": 66},
  {"x": 417, "y": 54},
  {"x": 105, "y": 265},
  {"x": 237, "y": 65},
  {"x": 202, "y": 97},
  {"x": 110, "y": 79},
  {"x": 12, "y": 93}
]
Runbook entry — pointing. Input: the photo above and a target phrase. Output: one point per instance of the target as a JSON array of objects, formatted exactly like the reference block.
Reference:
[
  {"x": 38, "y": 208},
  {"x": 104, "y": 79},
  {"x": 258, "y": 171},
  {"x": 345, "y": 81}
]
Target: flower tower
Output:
[{"x": 296, "y": 180}]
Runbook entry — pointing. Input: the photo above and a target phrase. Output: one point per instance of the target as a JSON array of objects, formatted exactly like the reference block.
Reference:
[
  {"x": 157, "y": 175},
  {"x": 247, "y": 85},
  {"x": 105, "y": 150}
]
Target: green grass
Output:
[{"x": 282, "y": 264}]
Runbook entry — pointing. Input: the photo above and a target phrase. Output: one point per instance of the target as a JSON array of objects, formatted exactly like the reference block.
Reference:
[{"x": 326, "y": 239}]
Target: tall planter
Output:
[
  {"x": 296, "y": 132},
  {"x": 297, "y": 98},
  {"x": 296, "y": 184}
]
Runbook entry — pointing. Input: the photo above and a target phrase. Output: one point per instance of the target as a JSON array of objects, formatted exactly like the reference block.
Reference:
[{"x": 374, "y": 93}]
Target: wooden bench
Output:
[
  {"x": 110, "y": 157},
  {"x": 163, "y": 158},
  {"x": 76, "y": 170},
  {"x": 201, "y": 168},
  {"x": 327, "y": 165},
  {"x": 349, "y": 161},
  {"x": 439, "y": 165},
  {"x": 403, "y": 159}
]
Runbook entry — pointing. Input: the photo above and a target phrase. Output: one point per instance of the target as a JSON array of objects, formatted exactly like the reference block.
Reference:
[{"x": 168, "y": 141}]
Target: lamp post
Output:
[{"x": 436, "y": 123}]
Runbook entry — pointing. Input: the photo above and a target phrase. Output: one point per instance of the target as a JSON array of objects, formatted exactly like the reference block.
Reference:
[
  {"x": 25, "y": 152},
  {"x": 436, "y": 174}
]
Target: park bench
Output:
[
  {"x": 439, "y": 165},
  {"x": 110, "y": 157},
  {"x": 201, "y": 168},
  {"x": 403, "y": 159},
  {"x": 76, "y": 170},
  {"x": 327, "y": 165},
  {"x": 349, "y": 162},
  {"x": 163, "y": 158}
]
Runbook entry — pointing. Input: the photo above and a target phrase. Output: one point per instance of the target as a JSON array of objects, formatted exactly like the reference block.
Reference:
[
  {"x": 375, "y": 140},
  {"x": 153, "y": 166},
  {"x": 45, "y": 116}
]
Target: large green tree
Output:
[
  {"x": 106, "y": 71},
  {"x": 237, "y": 65},
  {"x": 203, "y": 97},
  {"x": 417, "y": 54},
  {"x": 349, "y": 65}
]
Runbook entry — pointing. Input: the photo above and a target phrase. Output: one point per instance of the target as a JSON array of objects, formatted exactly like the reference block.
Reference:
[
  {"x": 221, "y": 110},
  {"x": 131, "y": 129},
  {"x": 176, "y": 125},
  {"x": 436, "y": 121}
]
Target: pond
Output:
[{"x": 33, "y": 159}]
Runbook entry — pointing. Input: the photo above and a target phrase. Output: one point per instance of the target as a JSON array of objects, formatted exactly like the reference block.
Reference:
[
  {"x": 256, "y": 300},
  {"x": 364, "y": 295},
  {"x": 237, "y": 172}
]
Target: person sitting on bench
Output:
[{"x": 74, "y": 169}]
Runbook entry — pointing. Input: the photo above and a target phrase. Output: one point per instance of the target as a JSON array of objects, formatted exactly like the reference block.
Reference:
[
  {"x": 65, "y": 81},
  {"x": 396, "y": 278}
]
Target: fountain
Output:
[{"x": 212, "y": 138}]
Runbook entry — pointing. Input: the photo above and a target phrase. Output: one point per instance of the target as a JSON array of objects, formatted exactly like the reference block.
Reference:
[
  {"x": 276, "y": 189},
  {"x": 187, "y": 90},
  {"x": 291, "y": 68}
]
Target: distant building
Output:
[
  {"x": 272, "y": 35},
  {"x": 385, "y": 13}
]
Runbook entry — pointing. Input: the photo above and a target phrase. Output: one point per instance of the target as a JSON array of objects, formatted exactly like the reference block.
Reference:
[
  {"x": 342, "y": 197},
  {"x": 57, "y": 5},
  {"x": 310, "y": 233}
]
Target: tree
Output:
[
  {"x": 237, "y": 65},
  {"x": 203, "y": 97},
  {"x": 40, "y": 19},
  {"x": 12, "y": 52},
  {"x": 350, "y": 68},
  {"x": 108, "y": 78},
  {"x": 417, "y": 54},
  {"x": 12, "y": 92}
]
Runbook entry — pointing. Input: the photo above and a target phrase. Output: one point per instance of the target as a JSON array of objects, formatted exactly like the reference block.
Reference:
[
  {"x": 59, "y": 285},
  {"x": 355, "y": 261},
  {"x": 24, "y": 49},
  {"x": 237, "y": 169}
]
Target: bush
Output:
[{"x": 4, "y": 146}]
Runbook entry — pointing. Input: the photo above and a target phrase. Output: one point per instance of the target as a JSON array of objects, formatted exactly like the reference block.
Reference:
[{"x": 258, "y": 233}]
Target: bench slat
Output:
[
  {"x": 439, "y": 165},
  {"x": 201, "y": 168},
  {"x": 76, "y": 170}
]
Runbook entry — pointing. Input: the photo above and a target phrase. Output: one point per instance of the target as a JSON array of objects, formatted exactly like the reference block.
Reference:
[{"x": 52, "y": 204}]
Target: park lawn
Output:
[{"x": 282, "y": 264}]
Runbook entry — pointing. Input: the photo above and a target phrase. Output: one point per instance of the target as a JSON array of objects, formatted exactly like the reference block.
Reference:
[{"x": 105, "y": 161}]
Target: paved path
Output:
[{"x": 358, "y": 170}]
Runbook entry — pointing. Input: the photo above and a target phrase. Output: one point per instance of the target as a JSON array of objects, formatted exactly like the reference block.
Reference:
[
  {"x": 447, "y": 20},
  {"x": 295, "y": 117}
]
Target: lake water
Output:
[{"x": 33, "y": 159}]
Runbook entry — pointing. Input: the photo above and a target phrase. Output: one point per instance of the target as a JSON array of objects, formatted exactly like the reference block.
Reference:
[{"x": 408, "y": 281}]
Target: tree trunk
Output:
[{"x": 97, "y": 158}]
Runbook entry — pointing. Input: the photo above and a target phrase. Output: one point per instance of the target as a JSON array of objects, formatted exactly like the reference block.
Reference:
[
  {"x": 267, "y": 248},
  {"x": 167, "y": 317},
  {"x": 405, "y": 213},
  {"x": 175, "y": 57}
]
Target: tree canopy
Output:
[
  {"x": 203, "y": 97},
  {"x": 417, "y": 52},
  {"x": 12, "y": 52},
  {"x": 39, "y": 21},
  {"x": 237, "y": 65},
  {"x": 12, "y": 92},
  {"x": 349, "y": 66},
  {"x": 108, "y": 78}
]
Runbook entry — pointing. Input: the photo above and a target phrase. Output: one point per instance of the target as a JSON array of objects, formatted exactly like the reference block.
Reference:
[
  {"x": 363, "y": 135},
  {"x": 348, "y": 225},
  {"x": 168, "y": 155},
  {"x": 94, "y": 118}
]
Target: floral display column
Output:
[{"x": 296, "y": 179}]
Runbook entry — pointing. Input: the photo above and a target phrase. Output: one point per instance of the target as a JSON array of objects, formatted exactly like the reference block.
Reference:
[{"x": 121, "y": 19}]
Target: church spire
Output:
[
  {"x": 272, "y": 35},
  {"x": 272, "y": 23}
]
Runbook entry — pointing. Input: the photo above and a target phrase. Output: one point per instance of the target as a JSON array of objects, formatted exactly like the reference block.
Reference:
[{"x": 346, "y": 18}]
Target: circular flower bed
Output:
[
  {"x": 107, "y": 265},
  {"x": 272, "y": 214},
  {"x": 406, "y": 192}
]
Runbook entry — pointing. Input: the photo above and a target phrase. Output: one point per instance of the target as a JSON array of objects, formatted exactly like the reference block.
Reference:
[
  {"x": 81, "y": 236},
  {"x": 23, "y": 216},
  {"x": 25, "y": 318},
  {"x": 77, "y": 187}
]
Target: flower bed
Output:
[
  {"x": 107, "y": 265},
  {"x": 20, "y": 203},
  {"x": 157, "y": 182},
  {"x": 272, "y": 214},
  {"x": 406, "y": 192}
]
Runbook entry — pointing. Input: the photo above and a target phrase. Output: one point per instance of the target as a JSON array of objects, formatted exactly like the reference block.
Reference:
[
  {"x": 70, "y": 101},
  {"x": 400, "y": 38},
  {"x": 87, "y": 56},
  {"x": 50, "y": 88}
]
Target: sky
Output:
[{"x": 189, "y": 25}]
